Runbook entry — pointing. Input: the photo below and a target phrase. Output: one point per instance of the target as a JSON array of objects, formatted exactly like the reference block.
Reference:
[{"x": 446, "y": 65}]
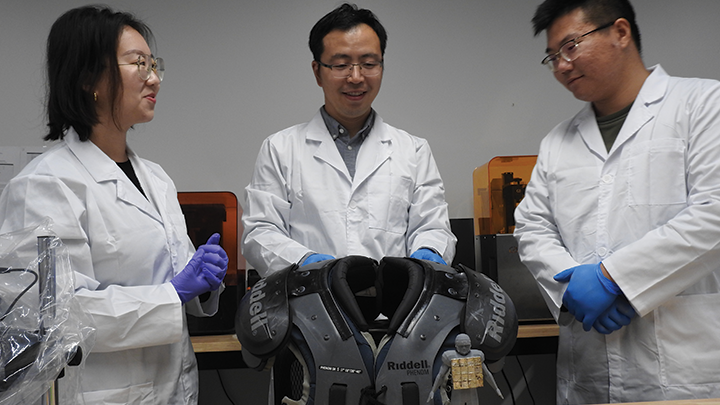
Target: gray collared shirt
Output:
[{"x": 348, "y": 147}]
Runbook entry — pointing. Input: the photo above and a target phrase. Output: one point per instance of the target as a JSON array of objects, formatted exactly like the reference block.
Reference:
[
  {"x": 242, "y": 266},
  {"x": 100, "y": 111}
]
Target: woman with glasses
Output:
[{"x": 136, "y": 269}]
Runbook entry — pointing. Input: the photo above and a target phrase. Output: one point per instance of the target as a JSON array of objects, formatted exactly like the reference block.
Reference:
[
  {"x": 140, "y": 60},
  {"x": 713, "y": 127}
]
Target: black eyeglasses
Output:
[
  {"x": 569, "y": 50},
  {"x": 343, "y": 70}
]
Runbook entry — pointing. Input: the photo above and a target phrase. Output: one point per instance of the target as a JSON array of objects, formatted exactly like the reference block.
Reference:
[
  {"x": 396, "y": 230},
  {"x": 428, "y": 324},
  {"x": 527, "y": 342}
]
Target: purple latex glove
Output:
[
  {"x": 618, "y": 315},
  {"x": 316, "y": 257},
  {"x": 427, "y": 254},
  {"x": 589, "y": 293},
  {"x": 204, "y": 272}
]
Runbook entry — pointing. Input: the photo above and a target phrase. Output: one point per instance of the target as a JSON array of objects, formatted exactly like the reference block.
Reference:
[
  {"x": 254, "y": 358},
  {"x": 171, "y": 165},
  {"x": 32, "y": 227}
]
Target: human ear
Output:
[
  {"x": 623, "y": 32},
  {"x": 316, "y": 72}
]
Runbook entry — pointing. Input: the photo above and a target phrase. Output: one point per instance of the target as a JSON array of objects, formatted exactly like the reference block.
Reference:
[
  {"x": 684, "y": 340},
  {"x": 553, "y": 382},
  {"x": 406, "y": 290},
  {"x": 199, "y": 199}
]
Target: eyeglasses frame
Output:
[
  {"x": 153, "y": 67},
  {"x": 551, "y": 58},
  {"x": 352, "y": 65}
]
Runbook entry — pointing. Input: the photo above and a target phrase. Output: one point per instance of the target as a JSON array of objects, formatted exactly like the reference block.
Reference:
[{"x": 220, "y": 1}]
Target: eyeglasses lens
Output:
[
  {"x": 569, "y": 51},
  {"x": 367, "y": 69},
  {"x": 147, "y": 65}
]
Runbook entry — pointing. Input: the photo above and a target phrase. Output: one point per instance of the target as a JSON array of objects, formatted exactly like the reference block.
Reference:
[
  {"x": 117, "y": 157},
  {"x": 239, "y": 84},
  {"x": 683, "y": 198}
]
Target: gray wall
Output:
[{"x": 465, "y": 74}]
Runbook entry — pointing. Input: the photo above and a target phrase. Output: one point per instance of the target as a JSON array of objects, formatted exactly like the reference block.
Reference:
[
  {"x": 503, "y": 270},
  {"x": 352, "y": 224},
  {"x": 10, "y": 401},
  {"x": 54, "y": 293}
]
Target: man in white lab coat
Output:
[
  {"x": 345, "y": 183},
  {"x": 620, "y": 223}
]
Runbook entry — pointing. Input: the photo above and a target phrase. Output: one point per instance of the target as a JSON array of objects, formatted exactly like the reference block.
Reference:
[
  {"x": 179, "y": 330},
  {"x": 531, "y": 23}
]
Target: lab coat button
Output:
[
  {"x": 607, "y": 179},
  {"x": 602, "y": 251}
]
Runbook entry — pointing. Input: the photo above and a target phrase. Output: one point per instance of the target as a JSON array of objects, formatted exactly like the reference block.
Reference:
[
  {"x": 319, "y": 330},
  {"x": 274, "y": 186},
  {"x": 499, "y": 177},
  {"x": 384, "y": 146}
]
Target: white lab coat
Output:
[
  {"x": 124, "y": 250},
  {"x": 650, "y": 211},
  {"x": 301, "y": 198}
]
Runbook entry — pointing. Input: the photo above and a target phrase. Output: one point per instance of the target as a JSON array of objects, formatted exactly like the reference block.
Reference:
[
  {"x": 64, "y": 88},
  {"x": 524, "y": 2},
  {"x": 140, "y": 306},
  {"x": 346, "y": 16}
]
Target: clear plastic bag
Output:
[{"x": 43, "y": 328}]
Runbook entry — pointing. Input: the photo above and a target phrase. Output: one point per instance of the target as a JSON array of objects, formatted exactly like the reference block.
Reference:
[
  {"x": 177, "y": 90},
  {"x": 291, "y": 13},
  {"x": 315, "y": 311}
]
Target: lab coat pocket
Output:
[
  {"x": 389, "y": 202},
  {"x": 656, "y": 173},
  {"x": 141, "y": 394},
  {"x": 688, "y": 347}
]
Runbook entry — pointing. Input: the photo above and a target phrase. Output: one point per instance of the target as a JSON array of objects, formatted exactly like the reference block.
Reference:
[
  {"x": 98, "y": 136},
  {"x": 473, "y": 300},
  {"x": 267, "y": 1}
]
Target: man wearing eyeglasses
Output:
[
  {"x": 345, "y": 183},
  {"x": 620, "y": 223}
]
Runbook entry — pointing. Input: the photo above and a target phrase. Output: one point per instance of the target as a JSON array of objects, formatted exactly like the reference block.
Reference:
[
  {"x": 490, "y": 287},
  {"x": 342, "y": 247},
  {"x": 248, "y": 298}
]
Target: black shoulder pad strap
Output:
[
  {"x": 490, "y": 317},
  {"x": 353, "y": 282},
  {"x": 262, "y": 321},
  {"x": 408, "y": 287},
  {"x": 402, "y": 280}
]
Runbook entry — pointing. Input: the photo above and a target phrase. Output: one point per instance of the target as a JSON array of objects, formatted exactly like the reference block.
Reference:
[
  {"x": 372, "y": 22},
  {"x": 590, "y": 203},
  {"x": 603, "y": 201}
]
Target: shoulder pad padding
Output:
[
  {"x": 490, "y": 317},
  {"x": 263, "y": 320}
]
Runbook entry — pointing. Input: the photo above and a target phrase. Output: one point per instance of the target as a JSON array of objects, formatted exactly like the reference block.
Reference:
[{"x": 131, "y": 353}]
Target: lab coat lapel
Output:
[
  {"x": 127, "y": 192},
  {"x": 645, "y": 107},
  {"x": 375, "y": 150},
  {"x": 587, "y": 127},
  {"x": 104, "y": 170},
  {"x": 327, "y": 150},
  {"x": 155, "y": 189}
]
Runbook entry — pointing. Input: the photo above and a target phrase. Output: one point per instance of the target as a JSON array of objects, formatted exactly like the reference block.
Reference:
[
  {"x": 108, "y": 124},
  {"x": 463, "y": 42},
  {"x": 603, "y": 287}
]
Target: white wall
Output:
[{"x": 465, "y": 74}]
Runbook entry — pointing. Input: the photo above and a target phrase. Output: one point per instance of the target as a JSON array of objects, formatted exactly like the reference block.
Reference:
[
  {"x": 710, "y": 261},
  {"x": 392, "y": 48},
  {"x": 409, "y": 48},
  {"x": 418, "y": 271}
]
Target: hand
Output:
[
  {"x": 587, "y": 295},
  {"x": 216, "y": 260},
  {"x": 618, "y": 315},
  {"x": 204, "y": 272},
  {"x": 316, "y": 257},
  {"x": 427, "y": 254},
  {"x": 431, "y": 396}
]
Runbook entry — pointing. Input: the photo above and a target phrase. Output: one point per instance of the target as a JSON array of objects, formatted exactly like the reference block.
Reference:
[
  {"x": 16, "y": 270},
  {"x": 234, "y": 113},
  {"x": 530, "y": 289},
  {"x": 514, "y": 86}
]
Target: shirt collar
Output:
[{"x": 337, "y": 130}]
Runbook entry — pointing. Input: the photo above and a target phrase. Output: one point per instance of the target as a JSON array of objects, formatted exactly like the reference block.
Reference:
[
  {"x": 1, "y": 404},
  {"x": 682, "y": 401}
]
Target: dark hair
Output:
[
  {"x": 344, "y": 18},
  {"x": 597, "y": 12},
  {"x": 81, "y": 46}
]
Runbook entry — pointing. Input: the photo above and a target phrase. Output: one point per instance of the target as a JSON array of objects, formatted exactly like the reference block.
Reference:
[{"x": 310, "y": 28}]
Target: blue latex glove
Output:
[
  {"x": 317, "y": 257},
  {"x": 589, "y": 293},
  {"x": 618, "y": 315},
  {"x": 204, "y": 272},
  {"x": 427, "y": 254}
]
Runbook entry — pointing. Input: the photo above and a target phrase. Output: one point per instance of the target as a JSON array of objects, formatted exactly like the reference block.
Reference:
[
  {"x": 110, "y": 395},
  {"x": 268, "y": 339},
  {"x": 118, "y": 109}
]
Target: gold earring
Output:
[{"x": 95, "y": 94}]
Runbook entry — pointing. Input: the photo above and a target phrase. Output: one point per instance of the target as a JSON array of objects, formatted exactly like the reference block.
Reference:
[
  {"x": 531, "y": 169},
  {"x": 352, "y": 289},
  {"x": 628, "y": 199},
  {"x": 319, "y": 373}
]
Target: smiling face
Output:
[
  {"x": 137, "y": 97},
  {"x": 592, "y": 76},
  {"x": 349, "y": 100}
]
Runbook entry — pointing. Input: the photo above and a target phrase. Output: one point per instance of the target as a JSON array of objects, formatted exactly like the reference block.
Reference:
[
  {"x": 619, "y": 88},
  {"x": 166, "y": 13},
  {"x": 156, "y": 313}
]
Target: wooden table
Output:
[
  {"x": 217, "y": 352},
  {"x": 229, "y": 343},
  {"x": 215, "y": 343},
  {"x": 538, "y": 331}
]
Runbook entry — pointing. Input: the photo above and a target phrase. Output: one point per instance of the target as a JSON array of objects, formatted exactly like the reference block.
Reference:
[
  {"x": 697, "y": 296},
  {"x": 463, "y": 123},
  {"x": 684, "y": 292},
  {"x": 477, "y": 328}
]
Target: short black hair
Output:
[
  {"x": 598, "y": 12},
  {"x": 344, "y": 18},
  {"x": 81, "y": 47}
]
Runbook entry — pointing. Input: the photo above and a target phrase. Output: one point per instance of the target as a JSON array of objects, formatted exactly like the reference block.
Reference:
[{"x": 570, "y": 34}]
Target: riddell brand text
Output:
[
  {"x": 497, "y": 323},
  {"x": 258, "y": 315},
  {"x": 412, "y": 367}
]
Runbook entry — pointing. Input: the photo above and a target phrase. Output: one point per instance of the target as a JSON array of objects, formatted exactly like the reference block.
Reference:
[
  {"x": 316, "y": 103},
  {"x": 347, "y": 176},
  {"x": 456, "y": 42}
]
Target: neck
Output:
[
  {"x": 111, "y": 140},
  {"x": 628, "y": 88},
  {"x": 354, "y": 125}
]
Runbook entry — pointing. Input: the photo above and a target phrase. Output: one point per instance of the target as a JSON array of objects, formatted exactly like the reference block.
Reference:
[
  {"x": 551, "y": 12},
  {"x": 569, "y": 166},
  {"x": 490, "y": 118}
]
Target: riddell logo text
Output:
[
  {"x": 258, "y": 315},
  {"x": 411, "y": 367},
  {"x": 497, "y": 323}
]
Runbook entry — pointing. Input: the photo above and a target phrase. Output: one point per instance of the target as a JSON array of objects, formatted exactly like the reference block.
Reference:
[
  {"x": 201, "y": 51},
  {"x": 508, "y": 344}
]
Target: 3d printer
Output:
[
  {"x": 499, "y": 186},
  {"x": 207, "y": 213}
]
